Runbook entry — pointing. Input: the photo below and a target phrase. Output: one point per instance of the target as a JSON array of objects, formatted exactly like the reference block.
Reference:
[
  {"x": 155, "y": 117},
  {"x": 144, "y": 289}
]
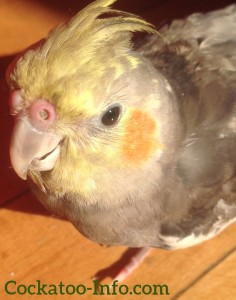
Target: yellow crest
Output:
[{"x": 93, "y": 41}]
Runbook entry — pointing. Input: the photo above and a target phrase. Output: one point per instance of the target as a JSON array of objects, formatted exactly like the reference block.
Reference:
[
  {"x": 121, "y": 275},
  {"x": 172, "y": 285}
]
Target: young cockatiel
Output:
[{"x": 134, "y": 143}]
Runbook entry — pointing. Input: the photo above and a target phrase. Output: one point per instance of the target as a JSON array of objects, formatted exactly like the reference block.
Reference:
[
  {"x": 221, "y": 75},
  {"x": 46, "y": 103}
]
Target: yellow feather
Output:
[
  {"x": 77, "y": 56},
  {"x": 74, "y": 69}
]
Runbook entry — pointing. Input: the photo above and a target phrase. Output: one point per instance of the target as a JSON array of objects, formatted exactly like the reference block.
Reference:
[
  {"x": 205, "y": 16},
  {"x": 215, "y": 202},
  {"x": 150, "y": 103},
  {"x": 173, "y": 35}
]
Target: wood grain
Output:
[
  {"x": 218, "y": 284},
  {"x": 37, "y": 246}
]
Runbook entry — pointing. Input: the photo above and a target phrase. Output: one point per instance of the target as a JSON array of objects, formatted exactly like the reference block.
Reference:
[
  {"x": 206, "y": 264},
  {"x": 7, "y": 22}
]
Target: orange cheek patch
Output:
[{"x": 140, "y": 138}]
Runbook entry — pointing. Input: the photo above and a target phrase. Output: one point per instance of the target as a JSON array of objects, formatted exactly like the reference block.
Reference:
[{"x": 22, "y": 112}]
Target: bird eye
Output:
[{"x": 111, "y": 116}]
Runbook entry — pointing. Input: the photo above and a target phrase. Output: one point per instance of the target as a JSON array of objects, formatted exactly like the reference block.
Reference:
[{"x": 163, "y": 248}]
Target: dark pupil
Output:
[{"x": 111, "y": 116}]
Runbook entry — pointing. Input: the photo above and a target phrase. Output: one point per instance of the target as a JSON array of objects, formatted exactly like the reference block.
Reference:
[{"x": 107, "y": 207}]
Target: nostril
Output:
[
  {"x": 44, "y": 114},
  {"x": 41, "y": 114}
]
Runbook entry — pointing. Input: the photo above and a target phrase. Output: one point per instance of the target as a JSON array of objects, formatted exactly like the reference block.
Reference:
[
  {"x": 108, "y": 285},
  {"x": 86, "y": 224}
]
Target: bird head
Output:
[{"x": 90, "y": 112}]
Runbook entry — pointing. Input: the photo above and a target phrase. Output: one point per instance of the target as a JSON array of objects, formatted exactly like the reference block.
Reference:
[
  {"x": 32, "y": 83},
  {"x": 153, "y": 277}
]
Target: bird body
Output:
[{"x": 139, "y": 137}]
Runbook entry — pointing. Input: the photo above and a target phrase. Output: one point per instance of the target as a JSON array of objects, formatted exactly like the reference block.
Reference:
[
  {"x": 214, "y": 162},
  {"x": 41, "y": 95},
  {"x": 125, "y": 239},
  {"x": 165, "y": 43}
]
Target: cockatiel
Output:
[{"x": 132, "y": 141}]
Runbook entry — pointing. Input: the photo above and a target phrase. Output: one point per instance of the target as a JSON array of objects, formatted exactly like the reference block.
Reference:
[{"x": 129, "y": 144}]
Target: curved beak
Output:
[{"x": 32, "y": 149}]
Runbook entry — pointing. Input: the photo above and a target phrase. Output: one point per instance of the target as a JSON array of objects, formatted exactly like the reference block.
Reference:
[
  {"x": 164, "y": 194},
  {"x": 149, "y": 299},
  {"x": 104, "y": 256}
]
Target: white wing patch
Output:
[{"x": 193, "y": 239}]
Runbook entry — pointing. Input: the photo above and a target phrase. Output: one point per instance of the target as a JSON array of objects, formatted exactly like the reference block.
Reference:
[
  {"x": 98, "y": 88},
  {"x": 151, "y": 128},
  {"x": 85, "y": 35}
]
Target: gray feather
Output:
[{"x": 195, "y": 196}]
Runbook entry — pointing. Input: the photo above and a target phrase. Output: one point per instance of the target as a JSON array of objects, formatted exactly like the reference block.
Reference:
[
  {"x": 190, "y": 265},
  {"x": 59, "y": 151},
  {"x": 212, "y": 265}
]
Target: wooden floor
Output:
[{"x": 37, "y": 246}]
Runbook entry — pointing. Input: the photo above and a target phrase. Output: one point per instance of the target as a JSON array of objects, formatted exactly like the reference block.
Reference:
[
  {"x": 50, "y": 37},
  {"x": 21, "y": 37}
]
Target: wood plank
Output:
[
  {"x": 219, "y": 284},
  {"x": 25, "y": 22},
  {"x": 35, "y": 246}
]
